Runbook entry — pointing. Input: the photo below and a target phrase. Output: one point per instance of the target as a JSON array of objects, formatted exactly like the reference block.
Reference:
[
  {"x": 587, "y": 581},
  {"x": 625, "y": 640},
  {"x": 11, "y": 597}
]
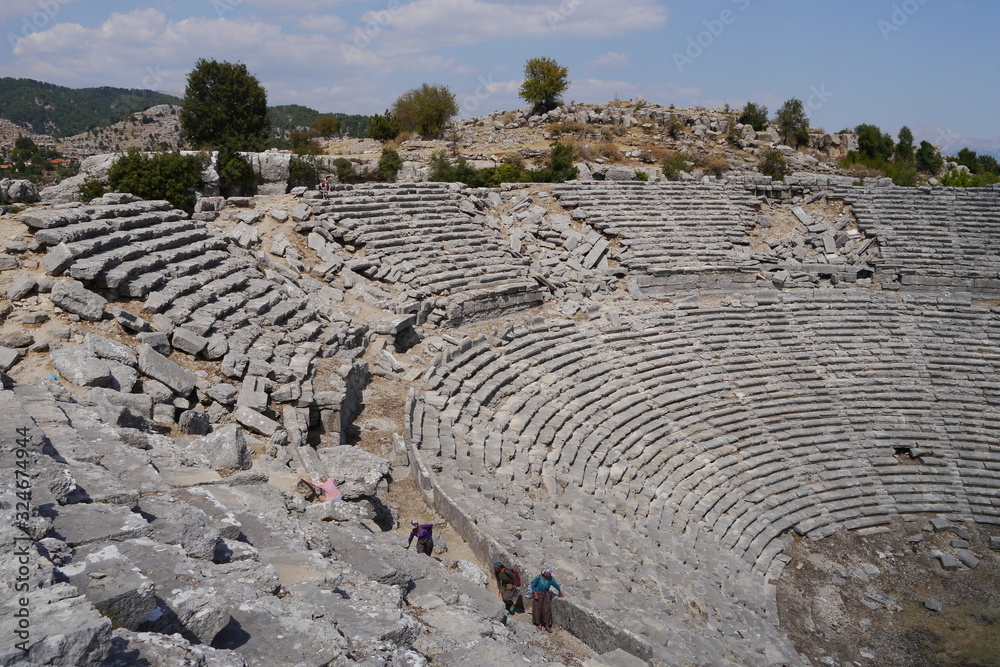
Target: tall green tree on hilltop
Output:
[
  {"x": 544, "y": 83},
  {"x": 224, "y": 106}
]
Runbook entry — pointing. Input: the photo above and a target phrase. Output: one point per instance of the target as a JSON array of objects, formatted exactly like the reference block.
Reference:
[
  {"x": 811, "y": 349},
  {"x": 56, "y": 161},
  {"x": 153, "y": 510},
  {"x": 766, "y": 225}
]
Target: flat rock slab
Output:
[
  {"x": 176, "y": 522},
  {"x": 73, "y": 297},
  {"x": 77, "y": 525},
  {"x": 112, "y": 583},
  {"x": 180, "y": 380},
  {"x": 356, "y": 471},
  {"x": 65, "y": 629},
  {"x": 256, "y": 422},
  {"x": 79, "y": 365}
]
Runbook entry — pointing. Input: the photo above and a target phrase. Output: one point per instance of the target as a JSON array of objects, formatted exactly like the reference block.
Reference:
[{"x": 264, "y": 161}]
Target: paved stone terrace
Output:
[
  {"x": 682, "y": 446},
  {"x": 430, "y": 241}
]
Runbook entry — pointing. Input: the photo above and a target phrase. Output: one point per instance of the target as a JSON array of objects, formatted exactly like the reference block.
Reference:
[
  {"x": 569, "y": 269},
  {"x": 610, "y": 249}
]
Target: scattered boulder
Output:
[
  {"x": 79, "y": 365},
  {"x": 73, "y": 297},
  {"x": 356, "y": 472},
  {"x": 226, "y": 448},
  {"x": 180, "y": 380}
]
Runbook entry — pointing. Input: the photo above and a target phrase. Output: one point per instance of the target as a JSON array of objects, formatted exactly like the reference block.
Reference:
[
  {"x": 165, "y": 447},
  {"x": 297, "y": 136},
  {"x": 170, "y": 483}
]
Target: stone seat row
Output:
[{"x": 774, "y": 420}]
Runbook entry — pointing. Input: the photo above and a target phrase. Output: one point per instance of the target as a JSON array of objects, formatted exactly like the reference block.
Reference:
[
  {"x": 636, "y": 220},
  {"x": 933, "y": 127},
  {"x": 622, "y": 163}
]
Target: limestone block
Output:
[
  {"x": 65, "y": 629},
  {"x": 112, "y": 583},
  {"x": 23, "y": 285},
  {"x": 79, "y": 365},
  {"x": 158, "y": 367},
  {"x": 73, "y": 297},
  {"x": 356, "y": 472},
  {"x": 176, "y": 522},
  {"x": 9, "y": 358},
  {"x": 105, "y": 348},
  {"x": 188, "y": 341},
  {"x": 226, "y": 448},
  {"x": 256, "y": 422}
]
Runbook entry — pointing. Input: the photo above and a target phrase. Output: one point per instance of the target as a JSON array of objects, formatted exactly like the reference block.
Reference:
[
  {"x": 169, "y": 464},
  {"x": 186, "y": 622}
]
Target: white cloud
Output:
[
  {"x": 610, "y": 60},
  {"x": 324, "y": 23},
  {"x": 442, "y": 23}
]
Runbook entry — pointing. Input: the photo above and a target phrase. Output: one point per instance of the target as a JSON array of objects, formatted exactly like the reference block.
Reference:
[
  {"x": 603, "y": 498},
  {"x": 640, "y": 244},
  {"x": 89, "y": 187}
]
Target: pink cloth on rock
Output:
[{"x": 330, "y": 490}]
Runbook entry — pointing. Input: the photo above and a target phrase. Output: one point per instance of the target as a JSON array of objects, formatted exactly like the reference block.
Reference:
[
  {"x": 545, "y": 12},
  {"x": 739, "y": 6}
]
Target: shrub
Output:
[
  {"x": 389, "y": 165},
  {"x": 559, "y": 169},
  {"x": 773, "y": 164},
  {"x": 792, "y": 122},
  {"x": 568, "y": 127},
  {"x": 302, "y": 173},
  {"x": 715, "y": 164},
  {"x": 754, "y": 115},
  {"x": 425, "y": 110},
  {"x": 384, "y": 127},
  {"x": 544, "y": 83},
  {"x": 675, "y": 128},
  {"x": 674, "y": 162},
  {"x": 344, "y": 169},
  {"x": 169, "y": 176},
  {"x": 641, "y": 176},
  {"x": 609, "y": 151},
  {"x": 404, "y": 136},
  {"x": 964, "y": 179},
  {"x": 236, "y": 176},
  {"x": 92, "y": 188}
]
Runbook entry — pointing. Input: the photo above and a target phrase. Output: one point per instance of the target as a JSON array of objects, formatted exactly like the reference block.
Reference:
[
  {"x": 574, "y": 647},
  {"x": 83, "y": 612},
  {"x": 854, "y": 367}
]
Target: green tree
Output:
[
  {"x": 754, "y": 115},
  {"x": 384, "y": 127},
  {"x": 389, "y": 165},
  {"x": 929, "y": 160},
  {"x": 544, "y": 83},
  {"x": 326, "y": 126},
  {"x": 873, "y": 143},
  {"x": 425, "y": 110},
  {"x": 224, "y": 106},
  {"x": 169, "y": 176},
  {"x": 792, "y": 122},
  {"x": 904, "y": 148},
  {"x": 302, "y": 144},
  {"x": 236, "y": 176}
]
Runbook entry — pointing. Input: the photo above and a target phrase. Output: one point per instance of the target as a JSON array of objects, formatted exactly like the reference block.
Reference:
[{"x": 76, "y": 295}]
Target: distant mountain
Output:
[
  {"x": 950, "y": 143},
  {"x": 45, "y": 108}
]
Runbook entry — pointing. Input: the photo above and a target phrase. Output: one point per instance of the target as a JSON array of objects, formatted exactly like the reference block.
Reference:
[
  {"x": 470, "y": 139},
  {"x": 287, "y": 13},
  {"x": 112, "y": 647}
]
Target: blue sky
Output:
[{"x": 925, "y": 63}]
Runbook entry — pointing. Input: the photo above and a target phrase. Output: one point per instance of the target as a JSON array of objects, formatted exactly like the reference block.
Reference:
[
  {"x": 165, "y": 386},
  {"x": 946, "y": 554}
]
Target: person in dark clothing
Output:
[
  {"x": 541, "y": 599},
  {"x": 425, "y": 537},
  {"x": 508, "y": 585}
]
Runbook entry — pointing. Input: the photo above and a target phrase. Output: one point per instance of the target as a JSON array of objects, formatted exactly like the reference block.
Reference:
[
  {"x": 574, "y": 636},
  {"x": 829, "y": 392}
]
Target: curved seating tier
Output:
[
  {"x": 193, "y": 276},
  {"x": 667, "y": 226},
  {"x": 424, "y": 236},
  {"x": 691, "y": 442},
  {"x": 945, "y": 237}
]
